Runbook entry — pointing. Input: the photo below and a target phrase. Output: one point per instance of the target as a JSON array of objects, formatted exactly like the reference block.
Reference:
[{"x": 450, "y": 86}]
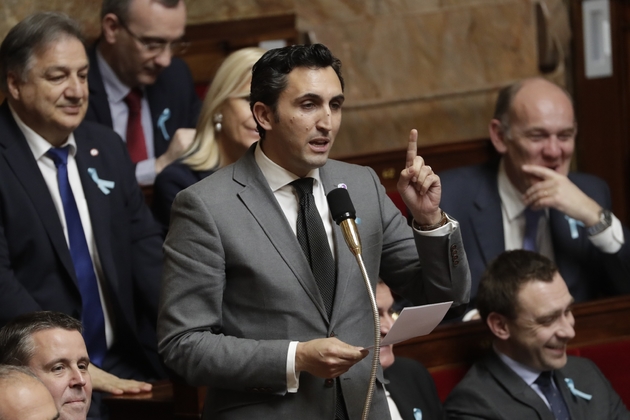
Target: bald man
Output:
[
  {"x": 23, "y": 396},
  {"x": 531, "y": 200}
]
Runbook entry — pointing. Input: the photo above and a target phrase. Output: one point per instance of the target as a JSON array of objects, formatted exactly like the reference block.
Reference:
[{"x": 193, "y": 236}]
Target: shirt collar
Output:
[
  {"x": 526, "y": 373},
  {"x": 510, "y": 195},
  {"x": 276, "y": 176},
  {"x": 38, "y": 145},
  {"x": 115, "y": 89}
]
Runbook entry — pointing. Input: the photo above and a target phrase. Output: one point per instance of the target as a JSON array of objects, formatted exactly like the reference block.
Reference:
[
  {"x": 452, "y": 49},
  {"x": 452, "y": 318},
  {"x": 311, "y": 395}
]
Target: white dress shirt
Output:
[
  {"x": 116, "y": 93},
  {"x": 279, "y": 179},
  {"x": 46, "y": 165}
]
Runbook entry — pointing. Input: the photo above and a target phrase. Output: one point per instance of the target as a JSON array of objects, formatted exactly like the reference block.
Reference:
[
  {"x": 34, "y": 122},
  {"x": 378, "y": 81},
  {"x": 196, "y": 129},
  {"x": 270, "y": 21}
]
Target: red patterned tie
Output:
[{"x": 135, "y": 136}]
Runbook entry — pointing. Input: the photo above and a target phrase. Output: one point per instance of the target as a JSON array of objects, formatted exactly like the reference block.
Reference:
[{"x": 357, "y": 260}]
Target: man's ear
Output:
[
  {"x": 498, "y": 325},
  {"x": 497, "y": 136},
  {"x": 13, "y": 86},
  {"x": 110, "y": 25},
  {"x": 264, "y": 115}
]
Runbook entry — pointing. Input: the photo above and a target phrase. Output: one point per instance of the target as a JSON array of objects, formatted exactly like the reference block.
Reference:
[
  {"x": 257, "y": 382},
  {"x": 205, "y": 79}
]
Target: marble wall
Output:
[{"x": 434, "y": 65}]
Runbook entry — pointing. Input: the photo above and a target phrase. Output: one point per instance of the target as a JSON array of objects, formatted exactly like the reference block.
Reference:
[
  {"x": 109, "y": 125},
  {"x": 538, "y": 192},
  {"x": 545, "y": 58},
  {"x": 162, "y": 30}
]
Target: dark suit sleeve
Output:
[{"x": 168, "y": 183}]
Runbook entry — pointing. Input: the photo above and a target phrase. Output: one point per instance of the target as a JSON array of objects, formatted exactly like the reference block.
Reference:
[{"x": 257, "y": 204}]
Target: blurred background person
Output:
[
  {"x": 225, "y": 130},
  {"x": 411, "y": 392},
  {"x": 23, "y": 396}
]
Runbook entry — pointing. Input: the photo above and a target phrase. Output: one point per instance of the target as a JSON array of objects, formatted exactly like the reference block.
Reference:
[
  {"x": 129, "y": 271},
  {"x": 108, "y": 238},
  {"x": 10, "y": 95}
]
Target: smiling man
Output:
[
  {"x": 75, "y": 233},
  {"x": 50, "y": 344},
  {"x": 137, "y": 85},
  {"x": 530, "y": 199},
  {"x": 262, "y": 300},
  {"x": 528, "y": 375}
]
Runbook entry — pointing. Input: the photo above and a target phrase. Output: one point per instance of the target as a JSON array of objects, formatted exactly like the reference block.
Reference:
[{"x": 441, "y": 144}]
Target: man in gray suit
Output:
[
  {"x": 241, "y": 310},
  {"x": 527, "y": 306}
]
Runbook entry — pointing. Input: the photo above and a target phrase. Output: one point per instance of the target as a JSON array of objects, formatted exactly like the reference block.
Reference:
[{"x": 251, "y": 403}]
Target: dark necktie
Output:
[
  {"x": 532, "y": 217},
  {"x": 135, "y": 135},
  {"x": 92, "y": 311},
  {"x": 554, "y": 398},
  {"x": 314, "y": 242},
  {"x": 312, "y": 237}
]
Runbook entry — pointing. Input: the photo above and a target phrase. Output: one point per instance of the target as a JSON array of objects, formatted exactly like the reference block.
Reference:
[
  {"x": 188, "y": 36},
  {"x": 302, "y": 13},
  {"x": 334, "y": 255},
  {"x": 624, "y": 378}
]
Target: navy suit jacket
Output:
[
  {"x": 36, "y": 270},
  {"x": 173, "y": 91},
  {"x": 175, "y": 177},
  {"x": 471, "y": 195},
  {"x": 491, "y": 390},
  {"x": 411, "y": 387}
]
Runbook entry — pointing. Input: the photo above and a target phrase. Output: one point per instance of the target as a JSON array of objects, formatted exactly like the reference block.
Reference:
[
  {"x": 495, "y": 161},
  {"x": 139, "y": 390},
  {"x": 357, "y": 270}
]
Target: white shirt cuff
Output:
[
  {"x": 611, "y": 239},
  {"x": 447, "y": 229},
  {"x": 293, "y": 377},
  {"x": 145, "y": 172}
]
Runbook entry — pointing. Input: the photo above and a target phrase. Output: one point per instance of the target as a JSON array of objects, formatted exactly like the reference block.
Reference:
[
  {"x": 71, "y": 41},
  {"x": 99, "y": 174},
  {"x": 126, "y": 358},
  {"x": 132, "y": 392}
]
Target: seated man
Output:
[
  {"x": 530, "y": 200},
  {"x": 75, "y": 234},
  {"x": 51, "y": 346},
  {"x": 23, "y": 396},
  {"x": 410, "y": 390},
  {"x": 527, "y": 306},
  {"x": 136, "y": 85}
]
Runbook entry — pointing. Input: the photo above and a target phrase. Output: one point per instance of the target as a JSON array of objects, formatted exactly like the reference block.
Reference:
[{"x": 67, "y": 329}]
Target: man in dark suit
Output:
[
  {"x": 569, "y": 213},
  {"x": 275, "y": 330},
  {"x": 75, "y": 234},
  {"x": 134, "y": 59},
  {"x": 410, "y": 389},
  {"x": 527, "y": 306}
]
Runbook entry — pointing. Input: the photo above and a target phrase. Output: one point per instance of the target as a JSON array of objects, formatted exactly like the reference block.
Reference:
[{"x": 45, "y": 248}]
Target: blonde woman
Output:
[{"x": 225, "y": 130}]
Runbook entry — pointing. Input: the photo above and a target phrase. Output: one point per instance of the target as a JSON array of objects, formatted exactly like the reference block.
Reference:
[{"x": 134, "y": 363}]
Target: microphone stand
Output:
[{"x": 351, "y": 235}]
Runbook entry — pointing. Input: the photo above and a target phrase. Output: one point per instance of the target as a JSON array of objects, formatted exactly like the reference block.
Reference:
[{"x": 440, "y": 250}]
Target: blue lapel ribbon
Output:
[
  {"x": 573, "y": 224},
  {"x": 161, "y": 122},
  {"x": 576, "y": 392},
  {"x": 417, "y": 414},
  {"x": 104, "y": 185}
]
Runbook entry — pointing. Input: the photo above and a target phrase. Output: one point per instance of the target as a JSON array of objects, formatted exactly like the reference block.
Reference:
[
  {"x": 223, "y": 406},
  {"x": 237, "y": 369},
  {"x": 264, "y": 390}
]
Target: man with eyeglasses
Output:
[{"x": 137, "y": 85}]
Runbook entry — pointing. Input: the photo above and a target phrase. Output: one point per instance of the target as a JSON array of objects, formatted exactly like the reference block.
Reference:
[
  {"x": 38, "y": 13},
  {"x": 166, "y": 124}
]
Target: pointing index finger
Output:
[{"x": 412, "y": 147}]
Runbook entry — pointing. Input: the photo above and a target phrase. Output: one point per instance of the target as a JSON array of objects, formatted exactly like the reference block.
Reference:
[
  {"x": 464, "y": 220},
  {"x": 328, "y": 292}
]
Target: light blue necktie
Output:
[{"x": 92, "y": 311}]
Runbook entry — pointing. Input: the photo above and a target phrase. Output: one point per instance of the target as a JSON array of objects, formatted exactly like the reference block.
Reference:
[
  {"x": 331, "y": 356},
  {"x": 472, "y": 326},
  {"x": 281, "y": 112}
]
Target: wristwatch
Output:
[{"x": 605, "y": 220}]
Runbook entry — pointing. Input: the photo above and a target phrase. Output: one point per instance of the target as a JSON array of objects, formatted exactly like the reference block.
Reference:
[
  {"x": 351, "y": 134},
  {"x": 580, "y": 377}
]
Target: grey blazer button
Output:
[
  {"x": 328, "y": 383},
  {"x": 332, "y": 334}
]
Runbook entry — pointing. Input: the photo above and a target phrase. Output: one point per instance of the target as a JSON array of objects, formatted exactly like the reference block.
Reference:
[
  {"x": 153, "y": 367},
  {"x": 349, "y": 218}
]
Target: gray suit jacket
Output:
[
  {"x": 237, "y": 289},
  {"x": 491, "y": 390}
]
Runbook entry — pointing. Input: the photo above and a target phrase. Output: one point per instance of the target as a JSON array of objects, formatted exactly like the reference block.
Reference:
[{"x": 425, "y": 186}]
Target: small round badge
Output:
[{"x": 94, "y": 152}]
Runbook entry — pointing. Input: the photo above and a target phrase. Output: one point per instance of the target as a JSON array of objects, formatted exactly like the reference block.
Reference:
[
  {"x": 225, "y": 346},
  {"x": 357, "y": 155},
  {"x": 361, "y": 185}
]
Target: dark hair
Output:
[
  {"x": 16, "y": 344},
  {"x": 503, "y": 108},
  {"x": 120, "y": 8},
  {"x": 270, "y": 73},
  {"x": 29, "y": 36},
  {"x": 504, "y": 277}
]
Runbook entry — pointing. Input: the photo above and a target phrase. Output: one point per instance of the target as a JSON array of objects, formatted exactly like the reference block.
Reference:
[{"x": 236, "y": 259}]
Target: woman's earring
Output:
[{"x": 217, "y": 119}]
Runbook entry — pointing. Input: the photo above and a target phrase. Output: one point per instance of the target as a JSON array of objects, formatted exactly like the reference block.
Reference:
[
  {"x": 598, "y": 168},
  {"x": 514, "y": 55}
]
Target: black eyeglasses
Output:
[{"x": 155, "y": 47}]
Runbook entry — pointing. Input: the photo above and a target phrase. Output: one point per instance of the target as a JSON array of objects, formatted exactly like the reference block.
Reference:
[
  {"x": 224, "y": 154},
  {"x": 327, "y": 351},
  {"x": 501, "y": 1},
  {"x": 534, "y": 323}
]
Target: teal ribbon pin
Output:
[
  {"x": 417, "y": 414},
  {"x": 573, "y": 224},
  {"x": 104, "y": 185},
  {"x": 166, "y": 114},
  {"x": 576, "y": 392}
]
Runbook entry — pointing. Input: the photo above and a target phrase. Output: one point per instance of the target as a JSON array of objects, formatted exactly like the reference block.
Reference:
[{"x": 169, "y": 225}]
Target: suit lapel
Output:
[
  {"x": 487, "y": 221},
  {"x": 97, "y": 201},
  {"x": 20, "y": 159},
  {"x": 571, "y": 401},
  {"x": 346, "y": 262},
  {"x": 99, "y": 106},
  {"x": 517, "y": 387},
  {"x": 263, "y": 206}
]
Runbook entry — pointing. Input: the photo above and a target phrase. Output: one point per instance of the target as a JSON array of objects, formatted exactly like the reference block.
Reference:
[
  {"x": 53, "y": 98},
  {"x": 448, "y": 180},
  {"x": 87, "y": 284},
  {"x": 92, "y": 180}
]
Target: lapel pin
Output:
[
  {"x": 104, "y": 185},
  {"x": 94, "y": 152},
  {"x": 342, "y": 185},
  {"x": 417, "y": 414},
  {"x": 161, "y": 122},
  {"x": 576, "y": 392},
  {"x": 573, "y": 224}
]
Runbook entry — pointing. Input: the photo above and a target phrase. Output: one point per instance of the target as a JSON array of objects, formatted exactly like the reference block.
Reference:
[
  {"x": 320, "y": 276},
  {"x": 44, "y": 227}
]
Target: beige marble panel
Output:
[{"x": 204, "y": 11}]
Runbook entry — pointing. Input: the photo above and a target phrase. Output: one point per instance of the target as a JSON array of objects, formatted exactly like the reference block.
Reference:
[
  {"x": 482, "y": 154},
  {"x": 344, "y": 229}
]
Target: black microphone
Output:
[{"x": 343, "y": 213}]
